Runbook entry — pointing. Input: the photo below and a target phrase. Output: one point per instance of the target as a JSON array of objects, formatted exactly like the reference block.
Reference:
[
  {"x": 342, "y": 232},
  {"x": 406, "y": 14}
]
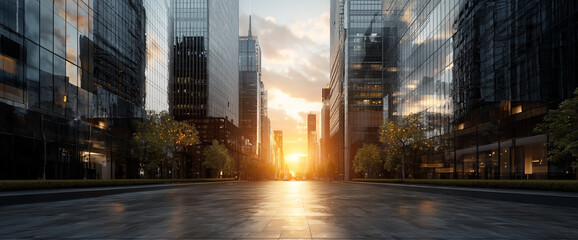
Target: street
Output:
[{"x": 285, "y": 210}]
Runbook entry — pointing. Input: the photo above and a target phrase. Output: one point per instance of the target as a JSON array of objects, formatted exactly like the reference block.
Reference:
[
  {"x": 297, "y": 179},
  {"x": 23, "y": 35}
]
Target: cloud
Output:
[
  {"x": 293, "y": 107},
  {"x": 270, "y": 19},
  {"x": 291, "y": 58},
  {"x": 316, "y": 29},
  {"x": 295, "y": 67}
]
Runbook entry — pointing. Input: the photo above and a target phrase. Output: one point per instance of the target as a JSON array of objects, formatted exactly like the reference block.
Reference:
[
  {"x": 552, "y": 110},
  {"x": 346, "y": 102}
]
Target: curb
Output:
[
  {"x": 558, "y": 199},
  {"x": 53, "y": 195}
]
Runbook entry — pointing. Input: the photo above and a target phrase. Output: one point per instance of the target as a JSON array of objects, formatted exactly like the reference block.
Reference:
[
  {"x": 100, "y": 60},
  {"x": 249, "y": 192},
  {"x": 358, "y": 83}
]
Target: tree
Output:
[
  {"x": 218, "y": 159},
  {"x": 561, "y": 125},
  {"x": 367, "y": 160},
  {"x": 403, "y": 138},
  {"x": 160, "y": 138},
  {"x": 250, "y": 167}
]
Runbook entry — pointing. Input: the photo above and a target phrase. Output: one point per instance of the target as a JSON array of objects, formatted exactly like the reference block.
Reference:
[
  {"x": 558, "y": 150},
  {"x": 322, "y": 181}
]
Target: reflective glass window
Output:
[
  {"x": 46, "y": 85},
  {"x": 72, "y": 74},
  {"x": 59, "y": 85},
  {"x": 31, "y": 21},
  {"x": 71, "y": 100},
  {"x": 71, "y": 12},
  {"x": 32, "y": 54},
  {"x": 46, "y": 25},
  {"x": 33, "y": 86},
  {"x": 59, "y": 36},
  {"x": 71, "y": 44},
  {"x": 60, "y": 8}
]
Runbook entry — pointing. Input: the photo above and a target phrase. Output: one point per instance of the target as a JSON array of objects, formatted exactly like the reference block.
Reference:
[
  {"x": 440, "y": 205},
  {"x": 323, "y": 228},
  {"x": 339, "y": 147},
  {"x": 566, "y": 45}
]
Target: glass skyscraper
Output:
[
  {"x": 205, "y": 60},
  {"x": 204, "y": 87},
  {"x": 73, "y": 76},
  {"x": 356, "y": 78},
  {"x": 483, "y": 74},
  {"x": 72, "y": 79},
  {"x": 250, "y": 88}
]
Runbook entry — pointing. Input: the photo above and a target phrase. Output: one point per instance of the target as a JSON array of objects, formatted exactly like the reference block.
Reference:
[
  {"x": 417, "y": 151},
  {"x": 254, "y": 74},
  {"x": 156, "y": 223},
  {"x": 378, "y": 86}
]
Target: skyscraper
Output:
[
  {"x": 72, "y": 78},
  {"x": 250, "y": 89},
  {"x": 356, "y": 77},
  {"x": 204, "y": 88},
  {"x": 311, "y": 143},
  {"x": 324, "y": 160},
  {"x": 482, "y": 74},
  {"x": 279, "y": 155},
  {"x": 265, "y": 151}
]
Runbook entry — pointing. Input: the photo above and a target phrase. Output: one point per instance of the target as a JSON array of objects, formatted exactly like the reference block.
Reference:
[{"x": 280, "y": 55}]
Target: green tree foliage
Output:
[
  {"x": 159, "y": 139},
  {"x": 251, "y": 168},
  {"x": 561, "y": 125},
  {"x": 367, "y": 160},
  {"x": 218, "y": 159},
  {"x": 404, "y": 139}
]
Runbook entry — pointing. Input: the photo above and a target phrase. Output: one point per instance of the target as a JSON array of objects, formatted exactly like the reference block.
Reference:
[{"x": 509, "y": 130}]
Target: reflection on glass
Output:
[
  {"x": 71, "y": 44},
  {"x": 59, "y": 36},
  {"x": 46, "y": 25},
  {"x": 31, "y": 28}
]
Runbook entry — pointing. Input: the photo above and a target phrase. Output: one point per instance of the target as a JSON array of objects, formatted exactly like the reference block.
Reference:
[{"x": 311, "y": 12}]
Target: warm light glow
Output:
[{"x": 293, "y": 157}]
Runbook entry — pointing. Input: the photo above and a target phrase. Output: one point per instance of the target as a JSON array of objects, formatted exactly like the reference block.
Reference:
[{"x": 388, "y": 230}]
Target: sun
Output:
[{"x": 293, "y": 157}]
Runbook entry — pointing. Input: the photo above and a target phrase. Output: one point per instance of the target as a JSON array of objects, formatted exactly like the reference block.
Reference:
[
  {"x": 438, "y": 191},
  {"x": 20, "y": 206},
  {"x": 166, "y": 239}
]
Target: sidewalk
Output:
[
  {"x": 51, "y": 195},
  {"x": 559, "y": 199}
]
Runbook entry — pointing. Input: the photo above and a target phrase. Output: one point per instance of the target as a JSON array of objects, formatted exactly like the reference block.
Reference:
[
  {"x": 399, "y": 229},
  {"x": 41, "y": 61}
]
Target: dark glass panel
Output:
[
  {"x": 32, "y": 54},
  {"x": 59, "y": 85},
  {"x": 31, "y": 21},
  {"x": 46, "y": 84},
  {"x": 33, "y": 87},
  {"x": 59, "y": 36},
  {"x": 71, "y": 100},
  {"x": 46, "y": 25}
]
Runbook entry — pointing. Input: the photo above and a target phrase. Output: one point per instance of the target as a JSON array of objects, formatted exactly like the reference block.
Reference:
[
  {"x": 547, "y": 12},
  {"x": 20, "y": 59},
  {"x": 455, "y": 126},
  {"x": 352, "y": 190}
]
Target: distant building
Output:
[
  {"x": 324, "y": 159},
  {"x": 250, "y": 89},
  {"x": 204, "y": 89},
  {"x": 279, "y": 155},
  {"x": 311, "y": 143},
  {"x": 265, "y": 151}
]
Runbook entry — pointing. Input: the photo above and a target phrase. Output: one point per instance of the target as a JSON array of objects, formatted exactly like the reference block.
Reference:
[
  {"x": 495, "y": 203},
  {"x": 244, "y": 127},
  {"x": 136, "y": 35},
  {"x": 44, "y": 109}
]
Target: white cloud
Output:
[
  {"x": 270, "y": 19},
  {"x": 293, "y": 107},
  {"x": 316, "y": 29}
]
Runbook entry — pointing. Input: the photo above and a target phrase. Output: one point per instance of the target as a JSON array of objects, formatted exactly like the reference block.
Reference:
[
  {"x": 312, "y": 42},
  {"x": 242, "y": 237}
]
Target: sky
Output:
[{"x": 294, "y": 39}]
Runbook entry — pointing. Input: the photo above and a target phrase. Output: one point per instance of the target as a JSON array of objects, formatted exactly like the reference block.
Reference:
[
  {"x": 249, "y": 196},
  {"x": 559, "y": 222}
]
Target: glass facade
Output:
[
  {"x": 250, "y": 89},
  {"x": 72, "y": 78},
  {"x": 205, "y": 60},
  {"x": 356, "y": 76},
  {"x": 483, "y": 74},
  {"x": 204, "y": 86},
  {"x": 158, "y": 41}
]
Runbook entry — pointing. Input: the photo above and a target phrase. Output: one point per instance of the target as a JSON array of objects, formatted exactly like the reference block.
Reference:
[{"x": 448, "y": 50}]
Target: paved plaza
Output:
[{"x": 286, "y": 210}]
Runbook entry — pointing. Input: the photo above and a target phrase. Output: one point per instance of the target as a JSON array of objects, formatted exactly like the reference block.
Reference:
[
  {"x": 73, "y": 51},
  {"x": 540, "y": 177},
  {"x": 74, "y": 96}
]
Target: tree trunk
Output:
[{"x": 403, "y": 165}]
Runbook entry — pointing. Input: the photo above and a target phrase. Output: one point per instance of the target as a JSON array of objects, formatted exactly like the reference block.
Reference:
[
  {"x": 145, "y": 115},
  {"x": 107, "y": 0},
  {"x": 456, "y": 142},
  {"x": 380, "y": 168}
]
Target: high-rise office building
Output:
[
  {"x": 265, "y": 151},
  {"x": 279, "y": 155},
  {"x": 204, "y": 88},
  {"x": 311, "y": 143},
  {"x": 72, "y": 77},
  {"x": 250, "y": 89},
  {"x": 324, "y": 160},
  {"x": 356, "y": 77},
  {"x": 482, "y": 74},
  {"x": 159, "y": 44}
]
